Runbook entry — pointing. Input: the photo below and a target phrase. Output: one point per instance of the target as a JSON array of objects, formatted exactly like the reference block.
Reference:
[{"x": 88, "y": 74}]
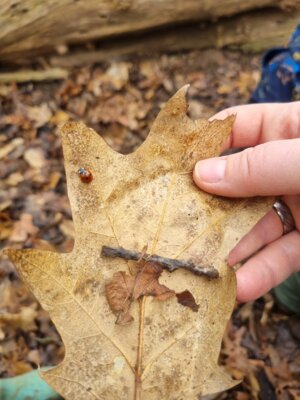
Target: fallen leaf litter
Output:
[{"x": 41, "y": 193}]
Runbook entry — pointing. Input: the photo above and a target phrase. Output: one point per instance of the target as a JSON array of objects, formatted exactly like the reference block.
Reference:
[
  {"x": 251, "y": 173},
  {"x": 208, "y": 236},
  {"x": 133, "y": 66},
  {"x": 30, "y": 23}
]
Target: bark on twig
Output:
[{"x": 169, "y": 264}]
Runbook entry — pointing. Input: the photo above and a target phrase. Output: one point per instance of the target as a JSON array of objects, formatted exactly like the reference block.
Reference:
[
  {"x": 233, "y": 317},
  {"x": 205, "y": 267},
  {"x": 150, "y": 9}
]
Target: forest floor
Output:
[{"x": 120, "y": 100}]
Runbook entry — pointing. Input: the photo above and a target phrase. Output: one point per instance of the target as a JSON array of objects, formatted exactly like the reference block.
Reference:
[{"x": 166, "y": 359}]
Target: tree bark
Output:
[
  {"x": 252, "y": 32},
  {"x": 33, "y": 26}
]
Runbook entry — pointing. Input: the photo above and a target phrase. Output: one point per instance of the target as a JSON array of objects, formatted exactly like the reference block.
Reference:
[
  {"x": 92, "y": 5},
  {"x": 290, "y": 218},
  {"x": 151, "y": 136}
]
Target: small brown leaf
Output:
[
  {"x": 11, "y": 146},
  {"x": 123, "y": 289},
  {"x": 146, "y": 283},
  {"x": 40, "y": 115},
  {"x": 25, "y": 319},
  {"x": 119, "y": 296},
  {"x": 187, "y": 299},
  {"x": 23, "y": 229},
  {"x": 35, "y": 157}
]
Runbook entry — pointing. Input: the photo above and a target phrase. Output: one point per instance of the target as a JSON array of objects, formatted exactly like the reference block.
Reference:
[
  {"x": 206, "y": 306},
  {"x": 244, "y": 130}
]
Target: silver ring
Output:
[{"x": 285, "y": 215}]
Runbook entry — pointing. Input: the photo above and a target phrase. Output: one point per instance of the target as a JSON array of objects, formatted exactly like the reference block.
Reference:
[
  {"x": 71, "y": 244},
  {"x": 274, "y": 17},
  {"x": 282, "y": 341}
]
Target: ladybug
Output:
[{"x": 85, "y": 175}]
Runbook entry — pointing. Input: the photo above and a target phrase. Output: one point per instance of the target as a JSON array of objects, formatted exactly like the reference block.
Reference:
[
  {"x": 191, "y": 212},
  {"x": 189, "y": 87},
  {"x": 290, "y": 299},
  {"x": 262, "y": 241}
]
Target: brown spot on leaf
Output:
[
  {"x": 87, "y": 288},
  {"x": 187, "y": 299}
]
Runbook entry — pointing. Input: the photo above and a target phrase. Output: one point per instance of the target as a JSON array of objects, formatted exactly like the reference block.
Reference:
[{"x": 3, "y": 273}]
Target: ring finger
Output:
[
  {"x": 293, "y": 203},
  {"x": 267, "y": 229}
]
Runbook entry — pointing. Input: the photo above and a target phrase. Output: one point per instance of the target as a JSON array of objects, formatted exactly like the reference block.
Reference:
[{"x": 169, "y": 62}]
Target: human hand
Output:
[{"x": 272, "y": 167}]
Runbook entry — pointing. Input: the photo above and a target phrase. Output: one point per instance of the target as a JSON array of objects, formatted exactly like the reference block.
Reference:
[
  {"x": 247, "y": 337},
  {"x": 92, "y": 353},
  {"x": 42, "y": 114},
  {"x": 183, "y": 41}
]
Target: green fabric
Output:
[
  {"x": 288, "y": 293},
  {"x": 29, "y": 386}
]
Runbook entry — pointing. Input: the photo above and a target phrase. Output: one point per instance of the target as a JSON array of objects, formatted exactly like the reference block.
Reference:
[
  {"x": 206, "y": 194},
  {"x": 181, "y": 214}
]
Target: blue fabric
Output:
[{"x": 280, "y": 80}]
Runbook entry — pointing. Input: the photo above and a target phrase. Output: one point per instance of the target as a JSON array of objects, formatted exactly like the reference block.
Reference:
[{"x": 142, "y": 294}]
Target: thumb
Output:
[{"x": 271, "y": 168}]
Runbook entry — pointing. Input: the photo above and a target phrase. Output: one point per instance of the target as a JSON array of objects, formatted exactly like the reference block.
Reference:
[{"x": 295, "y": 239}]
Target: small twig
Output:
[
  {"x": 47, "y": 340},
  {"x": 35, "y": 76},
  {"x": 167, "y": 263}
]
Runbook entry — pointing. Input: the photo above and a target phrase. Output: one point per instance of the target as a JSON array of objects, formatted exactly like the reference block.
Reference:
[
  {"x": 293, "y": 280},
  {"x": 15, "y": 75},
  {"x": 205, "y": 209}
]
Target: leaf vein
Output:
[
  {"x": 86, "y": 312},
  {"x": 156, "y": 357},
  {"x": 163, "y": 214},
  {"x": 78, "y": 383}
]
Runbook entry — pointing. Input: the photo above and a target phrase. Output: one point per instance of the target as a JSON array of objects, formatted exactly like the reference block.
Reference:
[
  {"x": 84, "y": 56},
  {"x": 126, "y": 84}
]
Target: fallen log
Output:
[
  {"x": 252, "y": 32},
  {"x": 30, "y": 27}
]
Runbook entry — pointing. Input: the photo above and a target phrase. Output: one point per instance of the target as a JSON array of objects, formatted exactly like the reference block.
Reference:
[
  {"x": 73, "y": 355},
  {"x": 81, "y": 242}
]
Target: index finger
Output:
[{"x": 260, "y": 123}]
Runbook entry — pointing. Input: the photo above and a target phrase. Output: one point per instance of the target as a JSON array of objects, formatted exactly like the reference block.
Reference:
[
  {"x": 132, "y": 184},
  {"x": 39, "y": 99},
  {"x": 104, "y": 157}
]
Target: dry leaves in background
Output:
[{"x": 144, "y": 198}]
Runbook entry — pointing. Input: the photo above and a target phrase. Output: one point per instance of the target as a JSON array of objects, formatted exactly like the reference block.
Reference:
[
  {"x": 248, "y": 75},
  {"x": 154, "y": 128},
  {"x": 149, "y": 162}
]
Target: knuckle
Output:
[
  {"x": 247, "y": 167},
  {"x": 270, "y": 276}
]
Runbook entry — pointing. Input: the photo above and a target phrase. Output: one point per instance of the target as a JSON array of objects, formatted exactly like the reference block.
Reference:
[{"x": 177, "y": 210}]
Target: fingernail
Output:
[{"x": 211, "y": 170}]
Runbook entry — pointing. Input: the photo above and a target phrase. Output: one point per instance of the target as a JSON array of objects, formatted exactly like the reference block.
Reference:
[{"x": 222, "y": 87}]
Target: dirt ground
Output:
[{"x": 119, "y": 99}]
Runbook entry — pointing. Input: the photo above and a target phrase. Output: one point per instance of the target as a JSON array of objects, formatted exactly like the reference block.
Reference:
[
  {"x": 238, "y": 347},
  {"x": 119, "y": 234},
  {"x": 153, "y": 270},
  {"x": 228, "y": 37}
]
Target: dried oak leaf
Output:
[{"x": 147, "y": 197}]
